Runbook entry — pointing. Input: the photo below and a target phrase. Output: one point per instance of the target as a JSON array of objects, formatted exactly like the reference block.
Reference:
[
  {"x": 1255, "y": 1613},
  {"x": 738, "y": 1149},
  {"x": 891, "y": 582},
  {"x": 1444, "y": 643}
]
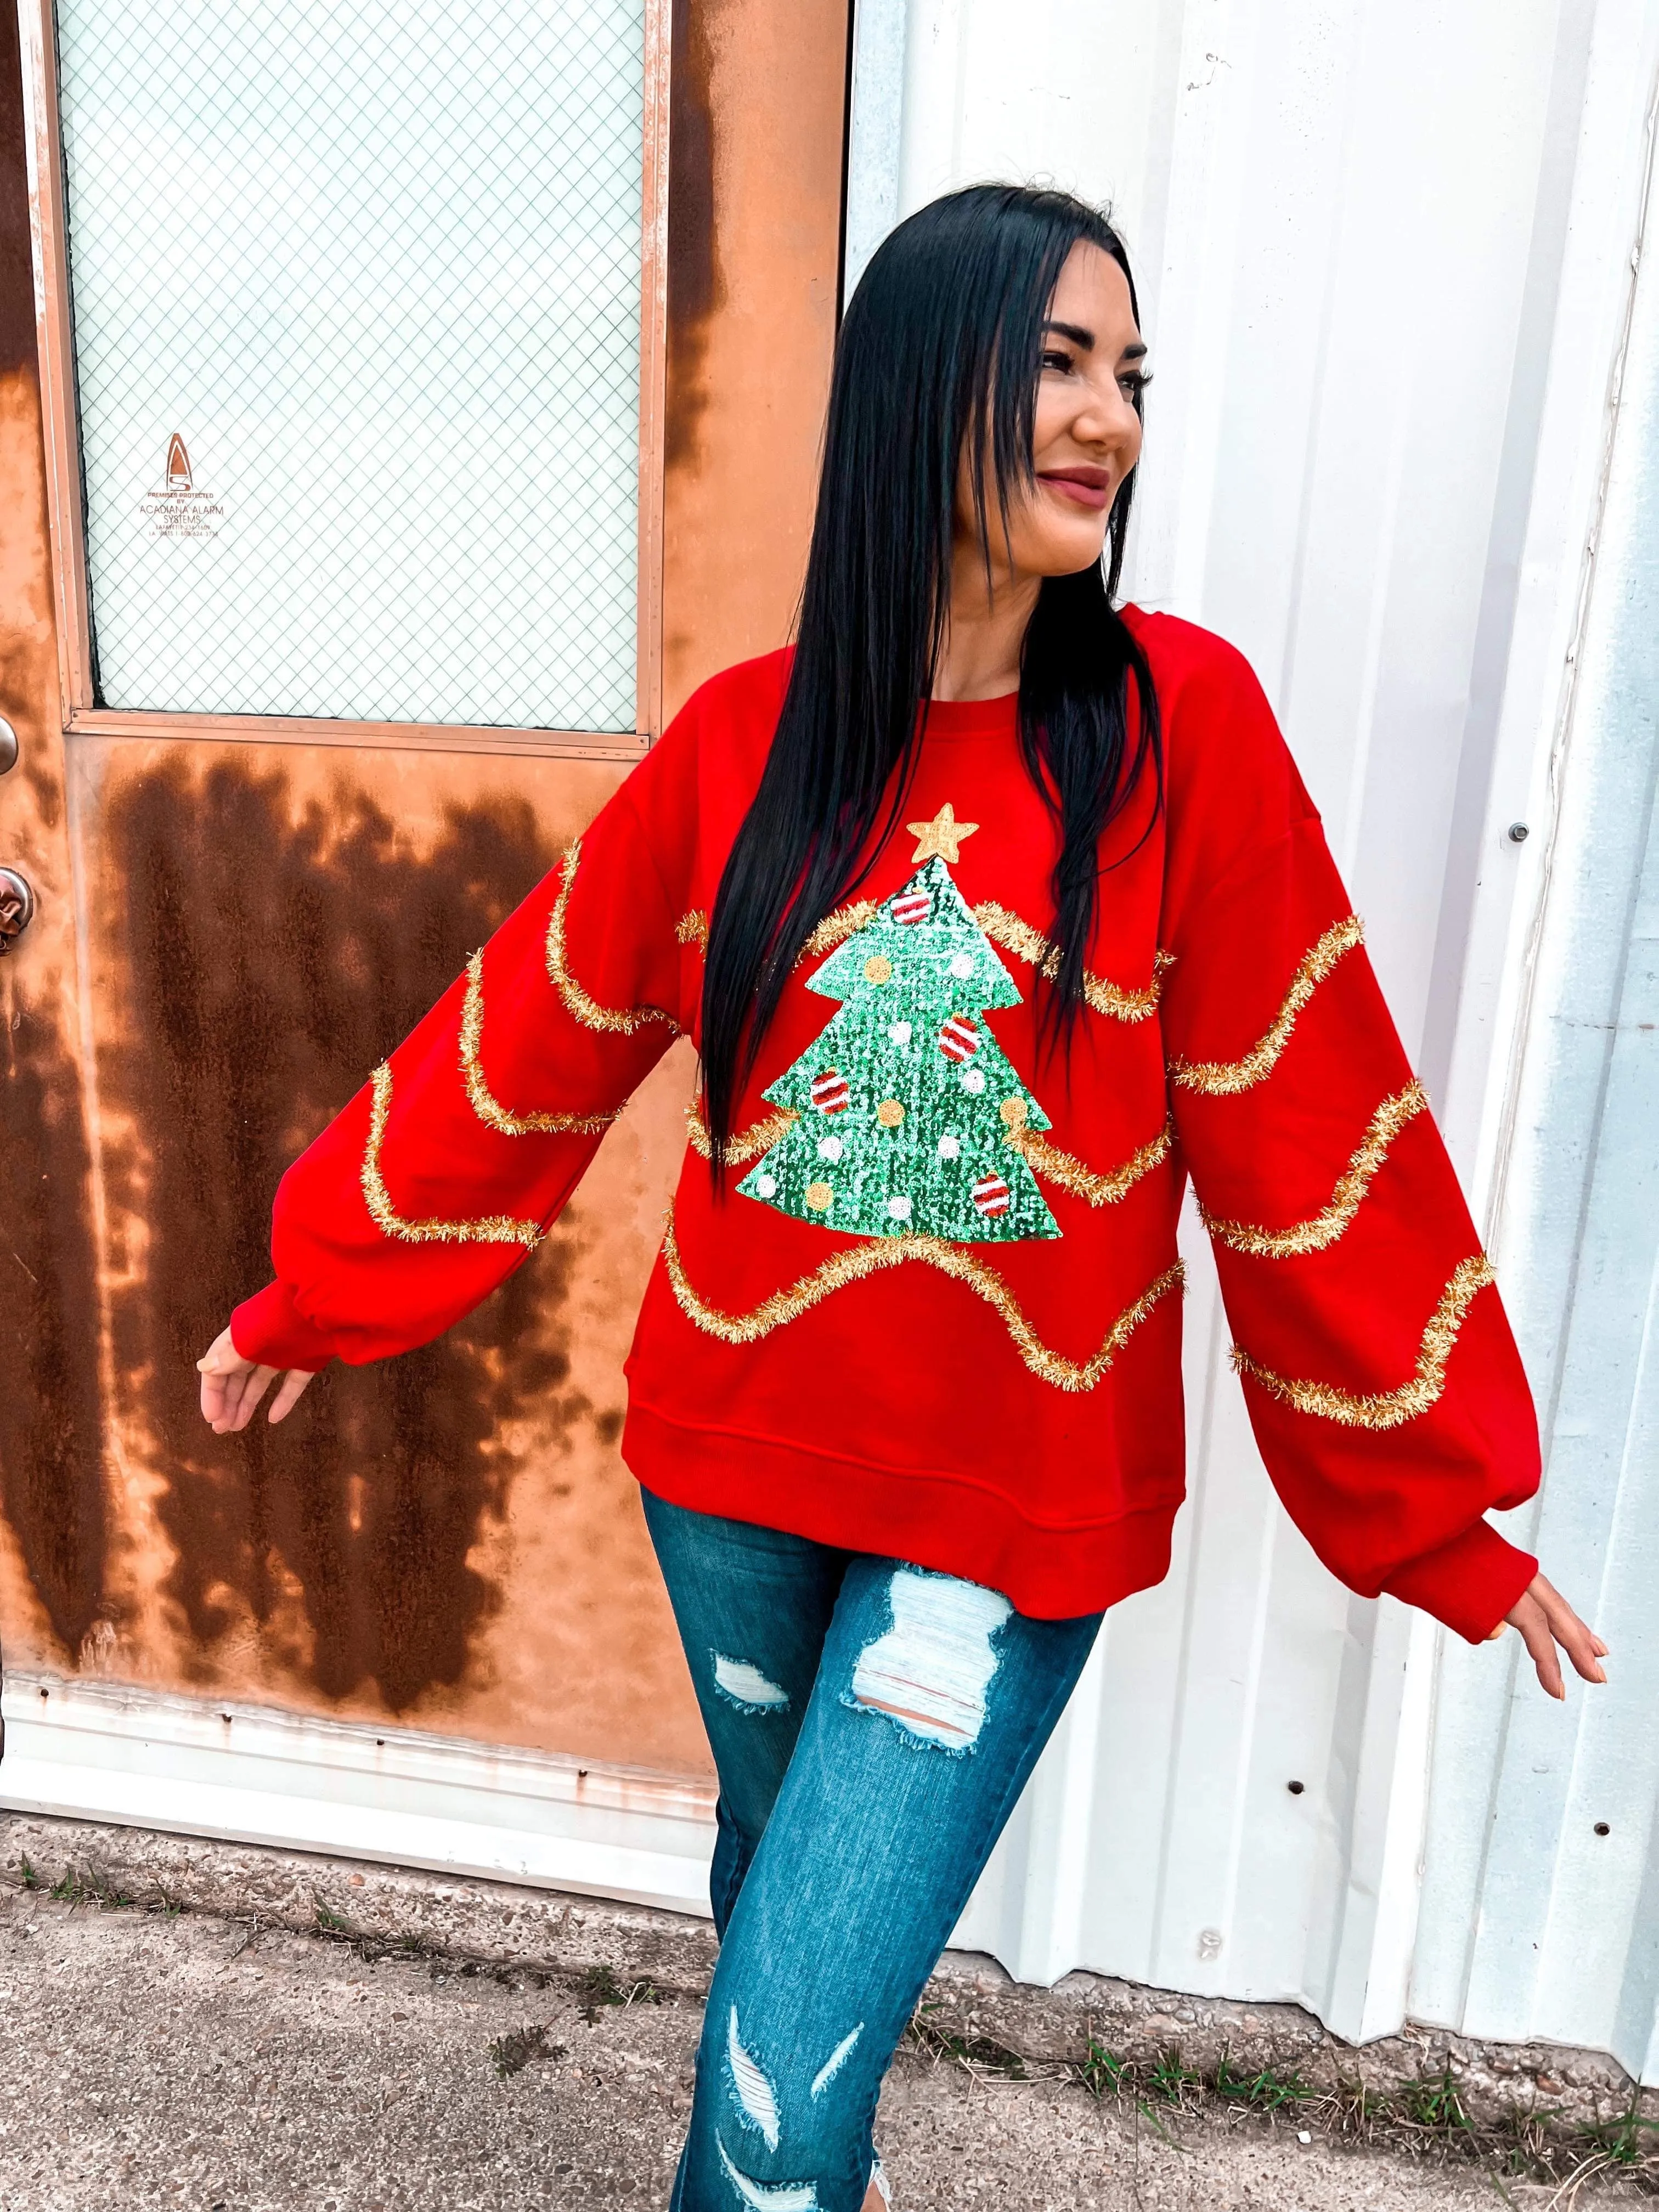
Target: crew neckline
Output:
[{"x": 972, "y": 718}]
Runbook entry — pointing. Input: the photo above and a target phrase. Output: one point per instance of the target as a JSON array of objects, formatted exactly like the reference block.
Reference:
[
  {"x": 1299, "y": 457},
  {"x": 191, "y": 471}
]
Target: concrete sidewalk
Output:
[{"x": 183, "y": 2060}]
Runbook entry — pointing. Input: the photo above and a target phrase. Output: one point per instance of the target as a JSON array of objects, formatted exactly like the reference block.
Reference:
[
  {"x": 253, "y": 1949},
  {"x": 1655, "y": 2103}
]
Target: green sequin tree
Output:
[{"x": 903, "y": 1105}]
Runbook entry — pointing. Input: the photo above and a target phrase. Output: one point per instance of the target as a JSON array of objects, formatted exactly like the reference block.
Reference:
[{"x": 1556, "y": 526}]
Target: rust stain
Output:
[
  {"x": 51, "y": 1415},
  {"x": 275, "y": 949},
  {"x": 17, "y": 267},
  {"x": 694, "y": 288}
]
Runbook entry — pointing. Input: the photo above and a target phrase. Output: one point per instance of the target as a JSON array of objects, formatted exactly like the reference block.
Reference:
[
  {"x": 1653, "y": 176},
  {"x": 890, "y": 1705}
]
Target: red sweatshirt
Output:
[{"x": 934, "y": 1311}]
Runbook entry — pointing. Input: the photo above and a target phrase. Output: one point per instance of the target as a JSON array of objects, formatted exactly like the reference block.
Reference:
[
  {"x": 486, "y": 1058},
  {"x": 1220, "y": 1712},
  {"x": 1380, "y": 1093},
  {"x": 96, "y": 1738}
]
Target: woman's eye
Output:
[
  {"x": 1058, "y": 360},
  {"x": 1134, "y": 382}
]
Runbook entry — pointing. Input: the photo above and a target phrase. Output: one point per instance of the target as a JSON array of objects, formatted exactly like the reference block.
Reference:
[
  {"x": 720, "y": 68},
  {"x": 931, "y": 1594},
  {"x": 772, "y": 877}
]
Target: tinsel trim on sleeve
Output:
[
  {"x": 1223, "y": 1078},
  {"x": 1323, "y": 1229},
  {"x": 489, "y": 1229},
  {"x": 623, "y": 1021},
  {"x": 1387, "y": 1409},
  {"x": 484, "y": 1104}
]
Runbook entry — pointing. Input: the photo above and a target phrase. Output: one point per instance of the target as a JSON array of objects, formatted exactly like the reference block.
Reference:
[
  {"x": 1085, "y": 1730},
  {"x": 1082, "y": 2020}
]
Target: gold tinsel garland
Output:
[
  {"x": 862, "y": 1260},
  {"x": 1324, "y": 1228},
  {"x": 484, "y": 1102},
  {"x": 1387, "y": 1409},
  {"x": 618, "y": 1020},
  {"x": 1221, "y": 1078},
  {"x": 491, "y": 1229}
]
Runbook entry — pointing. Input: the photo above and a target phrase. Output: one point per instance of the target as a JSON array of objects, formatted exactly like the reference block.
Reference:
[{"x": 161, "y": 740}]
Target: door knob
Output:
[{"x": 16, "y": 906}]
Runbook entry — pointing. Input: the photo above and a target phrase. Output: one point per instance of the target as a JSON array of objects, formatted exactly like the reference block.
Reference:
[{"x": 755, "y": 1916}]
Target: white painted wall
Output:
[{"x": 1383, "y": 250}]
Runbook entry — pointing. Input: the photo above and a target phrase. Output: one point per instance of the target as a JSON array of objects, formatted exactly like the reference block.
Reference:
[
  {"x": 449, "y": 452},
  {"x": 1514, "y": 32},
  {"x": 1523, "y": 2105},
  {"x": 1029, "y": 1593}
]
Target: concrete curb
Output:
[{"x": 499, "y": 1923}]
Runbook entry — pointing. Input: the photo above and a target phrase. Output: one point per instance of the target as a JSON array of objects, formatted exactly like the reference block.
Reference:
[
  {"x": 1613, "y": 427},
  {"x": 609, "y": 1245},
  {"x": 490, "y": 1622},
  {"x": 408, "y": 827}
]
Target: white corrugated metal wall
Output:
[{"x": 1384, "y": 258}]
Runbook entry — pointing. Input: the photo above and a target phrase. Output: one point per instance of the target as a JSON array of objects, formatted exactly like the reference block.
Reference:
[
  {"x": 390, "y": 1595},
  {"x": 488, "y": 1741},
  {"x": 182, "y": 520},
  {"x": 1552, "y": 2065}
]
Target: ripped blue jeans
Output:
[{"x": 872, "y": 1725}]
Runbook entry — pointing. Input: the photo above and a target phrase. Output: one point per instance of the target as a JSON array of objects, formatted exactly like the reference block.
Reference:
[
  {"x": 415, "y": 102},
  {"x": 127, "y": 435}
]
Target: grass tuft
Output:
[{"x": 512, "y": 2053}]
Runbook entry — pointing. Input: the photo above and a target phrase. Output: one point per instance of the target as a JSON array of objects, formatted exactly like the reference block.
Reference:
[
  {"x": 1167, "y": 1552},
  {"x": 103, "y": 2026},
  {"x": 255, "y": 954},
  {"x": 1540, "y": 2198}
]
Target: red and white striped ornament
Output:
[
  {"x": 959, "y": 1038},
  {"x": 829, "y": 1092},
  {"x": 913, "y": 907},
  {"x": 991, "y": 1195}
]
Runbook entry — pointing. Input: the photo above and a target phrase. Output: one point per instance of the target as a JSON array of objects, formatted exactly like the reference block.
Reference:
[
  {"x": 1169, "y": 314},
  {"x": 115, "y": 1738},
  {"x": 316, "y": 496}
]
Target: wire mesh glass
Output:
[{"x": 356, "y": 299}]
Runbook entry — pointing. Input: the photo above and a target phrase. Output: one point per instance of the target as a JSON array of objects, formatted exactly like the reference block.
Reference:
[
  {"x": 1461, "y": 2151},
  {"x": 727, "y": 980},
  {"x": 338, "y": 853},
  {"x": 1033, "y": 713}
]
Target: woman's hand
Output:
[
  {"x": 1545, "y": 1620},
  {"x": 232, "y": 1386}
]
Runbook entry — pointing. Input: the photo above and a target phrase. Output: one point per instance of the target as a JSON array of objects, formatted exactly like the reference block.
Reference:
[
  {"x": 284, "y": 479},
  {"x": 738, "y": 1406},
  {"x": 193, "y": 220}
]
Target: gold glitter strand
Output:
[
  {"x": 618, "y": 1020},
  {"x": 492, "y": 1229},
  {"x": 866, "y": 1259},
  {"x": 1004, "y": 928},
  {"x": 1070, "y": 1174},
  {"x": 1323, "y": 1229},
  {"x": 1025, "y": 942},
  {"x": 484, "y": 1102},
  {"x": 1387, "y": 1409},
  {"x": 748, "y": 1144},
  {"x": 1222, "y": 1077}
]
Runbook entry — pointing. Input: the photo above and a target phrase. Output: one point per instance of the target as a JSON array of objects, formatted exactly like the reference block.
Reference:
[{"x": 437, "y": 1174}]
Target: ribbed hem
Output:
[
  {"x": 1470, "y": 1583},
  {"x": 928, "y": 1520},
  {"x": 270, "y": 1329}
]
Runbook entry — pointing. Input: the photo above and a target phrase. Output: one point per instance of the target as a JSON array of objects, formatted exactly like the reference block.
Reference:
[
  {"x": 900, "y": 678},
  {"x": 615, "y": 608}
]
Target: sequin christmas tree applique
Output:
[{"x": 903, "y": 1103}]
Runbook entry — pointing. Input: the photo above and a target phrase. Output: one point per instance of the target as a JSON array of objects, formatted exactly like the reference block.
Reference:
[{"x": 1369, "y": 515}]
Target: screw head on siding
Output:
[
  {"x": 1518, "y": 833},
  {"x": 1209, "y": 1942},
  {"x": 1296, "y": 1789},
  {"x": 1602, "y": 1829}
]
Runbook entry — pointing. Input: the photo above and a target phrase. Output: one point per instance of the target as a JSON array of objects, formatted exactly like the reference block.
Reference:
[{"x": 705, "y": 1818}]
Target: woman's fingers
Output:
[
  {"x": 242, "y": 1395},
  {"x": 288, "y": 1395},
  {"x": 1545, "y": 1620},
  {"x": 1528, "y": 1616},
  {"x": 1580, "y": 1642},
  {"x": 218, "y": 1367},
  {"x": 232, "y": 1387}
]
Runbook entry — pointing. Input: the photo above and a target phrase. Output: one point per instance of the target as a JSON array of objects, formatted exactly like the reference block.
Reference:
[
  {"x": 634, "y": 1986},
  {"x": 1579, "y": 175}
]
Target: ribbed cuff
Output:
[
  {"x": 1470, "y": 1583},
  {"x": 270, "y": 1329}
]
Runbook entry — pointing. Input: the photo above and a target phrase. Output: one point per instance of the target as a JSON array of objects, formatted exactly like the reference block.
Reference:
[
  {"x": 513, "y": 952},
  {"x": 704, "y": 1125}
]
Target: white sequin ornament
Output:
[
  {"x": 973, "y": 1080},
  {"x": 830, "y": 1148},
  {"x": 962, "y": 965},
  {"x": 949, "y": 1149},
  {"x": 766, "y": 1185},
  {"x": 899, "y": 1209},
  {"x": 900, "y": 1032}
]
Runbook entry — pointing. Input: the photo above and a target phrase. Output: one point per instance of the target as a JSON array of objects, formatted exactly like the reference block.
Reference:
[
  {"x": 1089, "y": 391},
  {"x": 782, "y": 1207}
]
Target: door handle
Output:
[{"x": 16, "y": 906}]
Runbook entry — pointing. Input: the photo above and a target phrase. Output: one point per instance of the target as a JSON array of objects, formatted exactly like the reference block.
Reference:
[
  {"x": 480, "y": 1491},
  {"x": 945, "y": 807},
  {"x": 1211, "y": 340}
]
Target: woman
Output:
[{"x": 995, "y": 912}]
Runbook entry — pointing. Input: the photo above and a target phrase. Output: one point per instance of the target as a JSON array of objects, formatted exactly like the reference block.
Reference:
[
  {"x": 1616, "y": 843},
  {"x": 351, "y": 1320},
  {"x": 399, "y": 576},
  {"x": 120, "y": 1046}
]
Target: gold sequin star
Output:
[{"x": 942, "y": 835}]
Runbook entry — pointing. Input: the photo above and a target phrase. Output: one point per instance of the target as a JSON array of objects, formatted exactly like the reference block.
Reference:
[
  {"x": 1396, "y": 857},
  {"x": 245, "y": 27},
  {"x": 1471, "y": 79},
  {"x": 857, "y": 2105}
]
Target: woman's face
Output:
[{"x": 1087, "y": 436}]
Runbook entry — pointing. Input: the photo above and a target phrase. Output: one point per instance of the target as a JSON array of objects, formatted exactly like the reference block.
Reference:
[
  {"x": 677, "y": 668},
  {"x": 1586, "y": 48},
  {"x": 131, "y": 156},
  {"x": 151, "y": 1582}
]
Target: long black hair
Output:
[{"x": 941, "y": 343}]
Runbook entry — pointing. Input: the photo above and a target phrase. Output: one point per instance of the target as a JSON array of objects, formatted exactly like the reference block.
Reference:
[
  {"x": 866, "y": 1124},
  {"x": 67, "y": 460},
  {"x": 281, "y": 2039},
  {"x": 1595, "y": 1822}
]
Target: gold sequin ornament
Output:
[
  {"x": 818, "y": 1196},
  {"x": 890, "y": 1113},
  {"x": 1013, "y": 1114},
  {"x": 877, "y": 969}
]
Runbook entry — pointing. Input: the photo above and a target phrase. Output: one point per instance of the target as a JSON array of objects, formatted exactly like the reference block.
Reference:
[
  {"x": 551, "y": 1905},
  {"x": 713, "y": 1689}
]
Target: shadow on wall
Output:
[{"x": 270, "y": 953}]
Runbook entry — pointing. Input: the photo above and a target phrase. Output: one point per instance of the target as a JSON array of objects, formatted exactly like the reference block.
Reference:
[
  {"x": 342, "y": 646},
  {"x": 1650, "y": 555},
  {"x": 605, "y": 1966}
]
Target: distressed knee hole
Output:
[
  {"x": 769, "y": 2196},
  {"x": 741, "y": 1684},
  {"x": 757, "y": 2100},
  {"x": 833, "y": 2064},
  {"x": 930, "y": 1671}
]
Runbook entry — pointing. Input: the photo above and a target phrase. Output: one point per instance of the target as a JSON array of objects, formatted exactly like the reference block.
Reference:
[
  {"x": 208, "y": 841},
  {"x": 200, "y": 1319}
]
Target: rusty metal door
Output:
[{"x": 235, "y": 917}]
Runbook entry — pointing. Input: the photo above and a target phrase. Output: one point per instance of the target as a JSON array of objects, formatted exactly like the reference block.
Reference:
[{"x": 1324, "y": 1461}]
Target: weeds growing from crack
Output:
[
  {"x": 512, "y": 2053},
  {"x": 601, "y": 1986},
  {"x": 1427, "y": 2113}
]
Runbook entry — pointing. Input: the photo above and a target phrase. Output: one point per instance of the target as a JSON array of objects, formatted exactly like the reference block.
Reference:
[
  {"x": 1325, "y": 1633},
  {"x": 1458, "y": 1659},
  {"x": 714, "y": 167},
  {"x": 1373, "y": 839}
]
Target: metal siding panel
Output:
[
  {"x": 1351, "y": 223},
  {"x": 1564, "y": 1915}
]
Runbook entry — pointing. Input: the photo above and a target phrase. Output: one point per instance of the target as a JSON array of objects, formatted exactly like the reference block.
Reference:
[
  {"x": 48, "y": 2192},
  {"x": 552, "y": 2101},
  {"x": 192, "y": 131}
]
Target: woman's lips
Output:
[{"x": 1084, "y": 487}]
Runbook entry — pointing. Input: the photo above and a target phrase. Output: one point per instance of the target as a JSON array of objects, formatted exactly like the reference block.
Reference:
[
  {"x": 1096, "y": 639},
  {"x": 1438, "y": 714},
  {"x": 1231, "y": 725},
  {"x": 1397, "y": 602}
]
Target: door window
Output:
[{"x": 356, "y": 299}]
